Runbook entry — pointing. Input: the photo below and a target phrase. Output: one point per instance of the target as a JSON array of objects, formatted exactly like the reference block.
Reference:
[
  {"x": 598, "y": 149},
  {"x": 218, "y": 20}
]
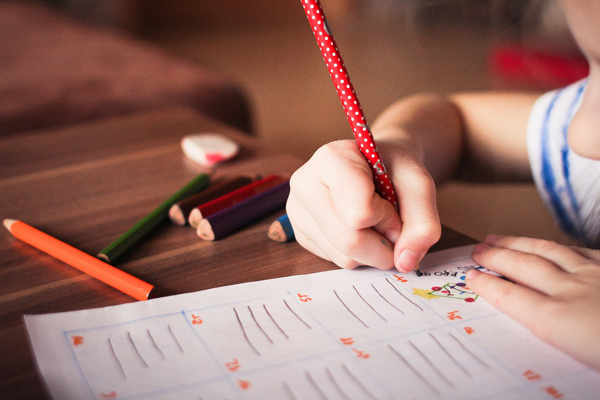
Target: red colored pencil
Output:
[
  {"x": 232, "y": 218},
  {"x": 180, "y": 212},
  {"x": 345, "y": 90},
  {"x": 227, "y": 200}
]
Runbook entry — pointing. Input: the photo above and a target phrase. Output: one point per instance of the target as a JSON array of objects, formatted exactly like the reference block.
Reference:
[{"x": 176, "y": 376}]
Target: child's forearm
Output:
[
  {"x": 429, "y": 122},
  {"x": 473, "y": 136}
]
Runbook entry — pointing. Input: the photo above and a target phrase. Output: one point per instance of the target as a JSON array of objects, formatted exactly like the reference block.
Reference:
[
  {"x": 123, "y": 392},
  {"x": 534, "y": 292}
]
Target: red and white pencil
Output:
[{"x": 345, "y": 90}]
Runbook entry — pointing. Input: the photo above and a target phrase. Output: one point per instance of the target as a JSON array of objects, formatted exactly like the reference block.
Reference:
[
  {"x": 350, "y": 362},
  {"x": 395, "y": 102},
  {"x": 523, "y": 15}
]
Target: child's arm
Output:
[
  {"x": 555, "y": 294},
  {"x": 477, "y": 136},
  {"x": 423, "y": 140}
]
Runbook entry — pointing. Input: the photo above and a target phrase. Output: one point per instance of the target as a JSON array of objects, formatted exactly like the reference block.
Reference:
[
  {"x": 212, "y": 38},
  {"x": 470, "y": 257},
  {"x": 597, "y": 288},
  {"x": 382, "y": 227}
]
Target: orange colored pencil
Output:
[{"x": 92, "y": 266}]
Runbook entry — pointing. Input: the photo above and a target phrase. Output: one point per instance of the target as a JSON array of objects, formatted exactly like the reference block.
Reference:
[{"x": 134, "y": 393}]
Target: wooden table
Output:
[{"x": 88, "y": 184}]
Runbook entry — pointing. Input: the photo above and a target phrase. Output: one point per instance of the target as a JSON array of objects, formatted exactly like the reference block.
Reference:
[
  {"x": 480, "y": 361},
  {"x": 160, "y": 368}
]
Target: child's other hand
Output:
[
  {"x": 555, "y": 294},
  {"x": 337, "y": 214}
]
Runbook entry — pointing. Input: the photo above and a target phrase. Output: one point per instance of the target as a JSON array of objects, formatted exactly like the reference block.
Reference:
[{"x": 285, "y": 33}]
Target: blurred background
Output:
[{"x": 392, "y": 48}]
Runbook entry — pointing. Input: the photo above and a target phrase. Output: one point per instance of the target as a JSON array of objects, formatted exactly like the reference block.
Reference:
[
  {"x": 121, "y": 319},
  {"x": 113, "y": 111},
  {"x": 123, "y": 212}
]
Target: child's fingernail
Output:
[
  {"x": 392, "y": 235},
  {"x": 472, "y": 273},
  {"x": 491, "y": 239},
  {"x": 407, "y": 260},
  {"x": 479, "y": 248}
]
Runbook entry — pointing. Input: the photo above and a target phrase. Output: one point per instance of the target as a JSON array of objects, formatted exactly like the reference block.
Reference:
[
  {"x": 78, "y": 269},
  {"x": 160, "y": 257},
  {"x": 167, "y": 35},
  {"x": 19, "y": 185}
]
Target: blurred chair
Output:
[{"x": 55, "y": 71}]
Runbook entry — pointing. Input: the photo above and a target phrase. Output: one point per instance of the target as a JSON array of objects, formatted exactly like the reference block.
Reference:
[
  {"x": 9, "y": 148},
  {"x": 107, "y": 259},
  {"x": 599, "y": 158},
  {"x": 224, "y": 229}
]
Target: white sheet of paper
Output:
[{"x": 359, "y": 334}]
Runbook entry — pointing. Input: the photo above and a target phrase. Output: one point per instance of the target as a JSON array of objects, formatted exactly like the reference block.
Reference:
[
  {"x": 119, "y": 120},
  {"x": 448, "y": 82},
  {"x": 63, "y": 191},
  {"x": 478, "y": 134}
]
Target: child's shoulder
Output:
[
  {"x": 558, "y": 104},
  {"x": 565, "y": 180}
]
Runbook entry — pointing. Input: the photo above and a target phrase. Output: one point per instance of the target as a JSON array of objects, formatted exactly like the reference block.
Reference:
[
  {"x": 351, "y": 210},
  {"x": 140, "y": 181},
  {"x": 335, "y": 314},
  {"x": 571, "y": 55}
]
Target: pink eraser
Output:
[{"x": 209, "y": 148}]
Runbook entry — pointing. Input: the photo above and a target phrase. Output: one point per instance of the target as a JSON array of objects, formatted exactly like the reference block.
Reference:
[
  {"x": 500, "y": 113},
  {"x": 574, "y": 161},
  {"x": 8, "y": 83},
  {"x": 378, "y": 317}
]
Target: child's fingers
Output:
[
  {"x": 340, "y": 170},
  {"x": 344, "y": 246},
  {"x": 525, "y": 268},
  {"x": 309, "y": 236},
  {"x": 421, "y": 226},
  {"x": 317, "y": 244},
  {"x": 387, "y": 220},
  {"x": 309, "y": 245},
  {"x": 591, "y": 254},
  {"x": 364, "y": 246},
  {"x": 525, "y": 305},
  {"x": 337, "y": 258},
  {"x": 564, "y": 257},
  {"x": 352, "y": 191}
]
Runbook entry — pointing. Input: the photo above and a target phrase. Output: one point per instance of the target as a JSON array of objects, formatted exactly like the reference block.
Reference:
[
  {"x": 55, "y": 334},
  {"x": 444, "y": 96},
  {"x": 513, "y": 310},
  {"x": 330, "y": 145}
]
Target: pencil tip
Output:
[
  {"x": 205, "y": 230},
  {"x": 176, "y": 215},
  {"x": 8, "y": 223},
  {"x": 276, "y": 232},
  {"x": 103, "y": 257},
  {"x": 195, "y": 218}
]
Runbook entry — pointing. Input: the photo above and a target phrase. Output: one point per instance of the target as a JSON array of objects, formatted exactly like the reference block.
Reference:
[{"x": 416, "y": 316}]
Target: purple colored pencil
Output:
[{"x": 229, "y": 220}]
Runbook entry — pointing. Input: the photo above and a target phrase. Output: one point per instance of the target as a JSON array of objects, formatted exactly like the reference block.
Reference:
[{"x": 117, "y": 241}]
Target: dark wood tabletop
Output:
[{"x": 86, "y": 185}]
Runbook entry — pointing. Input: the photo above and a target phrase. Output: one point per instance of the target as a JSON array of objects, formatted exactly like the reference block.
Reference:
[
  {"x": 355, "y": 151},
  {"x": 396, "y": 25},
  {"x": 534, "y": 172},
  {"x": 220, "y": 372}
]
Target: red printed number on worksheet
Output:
[
  {"x": 531, "y": 375},
  {"x": 304, "y": 297},
  {"x": 361, "y": 354},
  {"x": 400, "y": 279},
  {"x": 347, "y": 341},
  {"x": 77, "y": 340},
  {"x": 233, "y": 365},
  {"x": 244, "y": 384},
  {"x": 469, "y": 330},
  {"x": 552, "y": 391},
  {"x": 196, "y": 320},
  {"x": 452, "y": 315}
]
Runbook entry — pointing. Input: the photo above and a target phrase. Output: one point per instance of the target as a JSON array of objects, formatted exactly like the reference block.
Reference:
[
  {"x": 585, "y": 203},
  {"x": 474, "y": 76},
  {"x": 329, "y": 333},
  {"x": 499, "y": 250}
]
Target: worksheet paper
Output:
[{"x": 344, "y": 334}]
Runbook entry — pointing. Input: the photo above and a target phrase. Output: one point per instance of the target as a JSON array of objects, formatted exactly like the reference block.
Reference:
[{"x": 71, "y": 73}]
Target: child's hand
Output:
[
  {"x": 555, "y": 294},
  {"x": 337, "y": 214}
]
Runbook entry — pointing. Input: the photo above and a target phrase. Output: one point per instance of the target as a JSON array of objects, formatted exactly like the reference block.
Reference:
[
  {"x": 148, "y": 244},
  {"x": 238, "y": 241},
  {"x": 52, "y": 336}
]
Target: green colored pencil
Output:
[{"x": 126, "y": 241}]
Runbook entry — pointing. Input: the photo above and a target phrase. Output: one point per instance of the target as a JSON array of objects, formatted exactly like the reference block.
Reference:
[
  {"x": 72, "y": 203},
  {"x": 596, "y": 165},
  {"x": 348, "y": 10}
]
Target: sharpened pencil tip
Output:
[
  {"x": 103, "y": 257},
  {"x": 8, "y": 223},
  {"x": 276, "y": 232}
]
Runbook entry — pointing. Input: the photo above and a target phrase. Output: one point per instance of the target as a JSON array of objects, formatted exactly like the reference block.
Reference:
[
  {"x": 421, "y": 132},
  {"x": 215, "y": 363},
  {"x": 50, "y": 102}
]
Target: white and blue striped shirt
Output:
[{"x": 568, "y": 183}]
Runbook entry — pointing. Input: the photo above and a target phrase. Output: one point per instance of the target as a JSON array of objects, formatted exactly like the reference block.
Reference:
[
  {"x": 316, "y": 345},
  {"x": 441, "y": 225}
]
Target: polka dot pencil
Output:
[{"x": 347, "y": 94}]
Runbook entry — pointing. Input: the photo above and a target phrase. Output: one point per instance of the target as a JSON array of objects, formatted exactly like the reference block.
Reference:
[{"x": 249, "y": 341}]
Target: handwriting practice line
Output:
[
  {"x": 368, "y": 304},
  {"x": 349, "y": 310},
  {"x": 275, "y": 322},
  {"x": 450, "y": 356},
  {"x": 414, "y": 371},
  {"x": 258, "y": 325}
]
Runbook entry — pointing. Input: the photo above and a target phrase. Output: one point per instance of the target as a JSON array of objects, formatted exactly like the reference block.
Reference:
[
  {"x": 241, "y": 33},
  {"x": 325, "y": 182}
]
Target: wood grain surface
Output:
[{"x": 86, "y": 185}]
